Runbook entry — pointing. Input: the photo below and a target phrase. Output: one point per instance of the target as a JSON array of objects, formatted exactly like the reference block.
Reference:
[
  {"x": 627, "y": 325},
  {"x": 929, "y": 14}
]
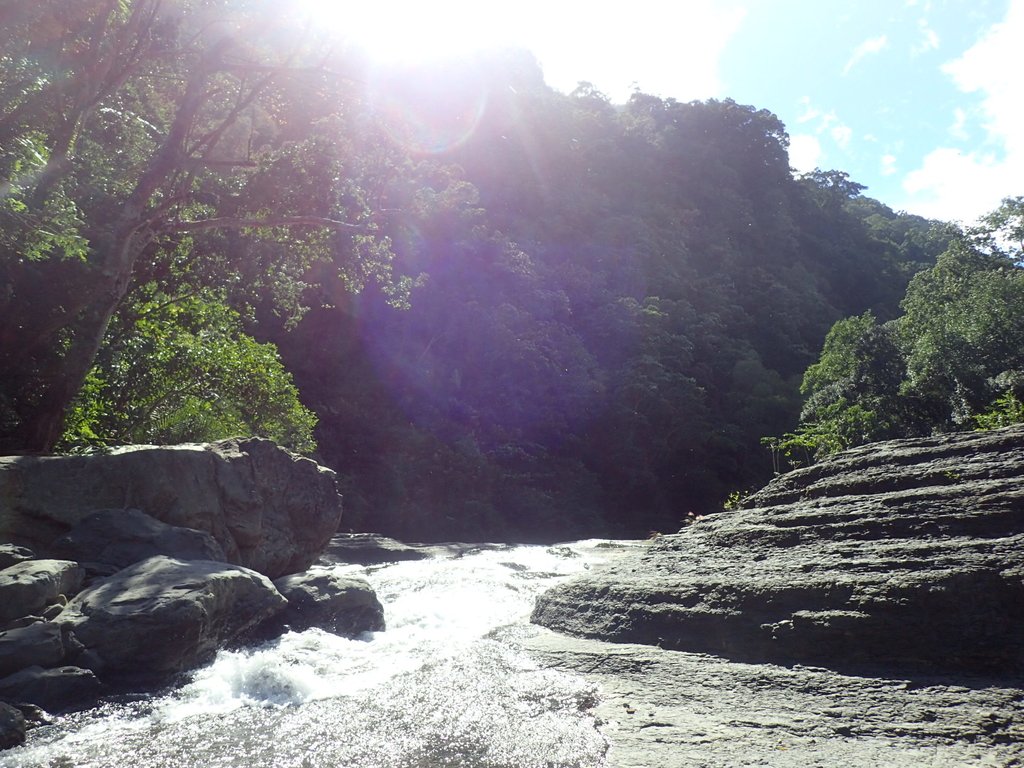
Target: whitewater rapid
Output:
[{"x": 445, "y": 685}]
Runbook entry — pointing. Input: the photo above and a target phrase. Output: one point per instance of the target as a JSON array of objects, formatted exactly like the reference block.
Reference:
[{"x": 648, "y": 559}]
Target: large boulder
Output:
[
  {"x": 269, "y": 509},
  {"x": 345, "y": 605},
  {"x": 122, "y": 537},
  {"x": 163, "y": 616},
  {"x": 907, "y": 554},
  {"x": 28, "y": 587}
]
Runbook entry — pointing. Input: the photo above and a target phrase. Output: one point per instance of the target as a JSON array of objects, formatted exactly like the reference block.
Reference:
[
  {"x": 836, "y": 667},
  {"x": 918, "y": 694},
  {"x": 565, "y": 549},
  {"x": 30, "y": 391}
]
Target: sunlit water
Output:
[{"x": 445, "y": 685}]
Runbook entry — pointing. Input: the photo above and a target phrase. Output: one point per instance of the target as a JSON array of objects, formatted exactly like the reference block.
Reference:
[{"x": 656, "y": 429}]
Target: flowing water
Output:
[{"x": 445, "y": 685}]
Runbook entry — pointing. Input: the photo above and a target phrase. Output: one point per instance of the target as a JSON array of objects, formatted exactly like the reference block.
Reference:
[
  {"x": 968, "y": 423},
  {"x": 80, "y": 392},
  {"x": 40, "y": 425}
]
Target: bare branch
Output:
[
  {"x": 230, "y": 222},
  {"x": 199, "y": 162}
]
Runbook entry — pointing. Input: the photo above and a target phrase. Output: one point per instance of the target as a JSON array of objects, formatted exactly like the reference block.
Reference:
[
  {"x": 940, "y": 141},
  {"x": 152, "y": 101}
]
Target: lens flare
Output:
[{"x": 430, "y": 111}]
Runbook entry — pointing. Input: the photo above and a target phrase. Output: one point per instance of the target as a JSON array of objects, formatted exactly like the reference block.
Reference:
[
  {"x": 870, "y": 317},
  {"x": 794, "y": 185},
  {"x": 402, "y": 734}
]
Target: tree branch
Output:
[{"x": 230, "y": 222}]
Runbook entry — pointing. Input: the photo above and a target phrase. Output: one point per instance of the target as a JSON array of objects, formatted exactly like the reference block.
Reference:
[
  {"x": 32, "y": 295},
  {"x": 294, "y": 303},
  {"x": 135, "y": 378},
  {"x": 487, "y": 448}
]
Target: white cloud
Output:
[
  {"x": 953, "y": 186},
  {"x": 825, "y": 122},
  {"x": 958, "y": 130},
  {"x": 963, "y": 185},
  {"x": 869, "y": 47},
  {"x": 929, "y": 38},
  {"x": 804, "y": 152},
  {"x": 669, "y": 50},
  {"x": 810, "y": 111},
  {"x": 888, "y": 165},
  {"x": 841, "y": 135}
]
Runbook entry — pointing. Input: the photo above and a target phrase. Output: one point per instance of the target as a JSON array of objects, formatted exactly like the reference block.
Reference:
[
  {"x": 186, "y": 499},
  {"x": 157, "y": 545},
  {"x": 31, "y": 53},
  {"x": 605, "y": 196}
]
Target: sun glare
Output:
[{"x": 407, "y": 31}]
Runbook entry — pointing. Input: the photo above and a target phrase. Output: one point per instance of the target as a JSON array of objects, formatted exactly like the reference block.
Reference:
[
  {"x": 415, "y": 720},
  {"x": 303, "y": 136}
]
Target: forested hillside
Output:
[
  {"x": 511, "y": 313},
  {"x": 617, "y": 303}
]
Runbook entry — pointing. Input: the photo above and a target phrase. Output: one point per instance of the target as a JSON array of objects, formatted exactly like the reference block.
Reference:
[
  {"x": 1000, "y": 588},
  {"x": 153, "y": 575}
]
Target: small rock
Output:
[
  {"x": 12, "y": 726},
  {"x": 56, "y": 690},
  {"x": 340, "y": 604},
  {"x": 38, "y": 644},
  {"x": 11, "y": 554},
  {"x": 30, "y": 586}
]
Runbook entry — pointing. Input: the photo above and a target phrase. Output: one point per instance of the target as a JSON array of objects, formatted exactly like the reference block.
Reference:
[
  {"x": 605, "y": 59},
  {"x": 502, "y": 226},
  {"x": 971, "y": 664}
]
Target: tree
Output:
[
  {"x": 953, "y": 360},
  {"x": 185, "y": 371},
  {"x": 963, "y": 333},
  {"x": 130, "y": 130}
]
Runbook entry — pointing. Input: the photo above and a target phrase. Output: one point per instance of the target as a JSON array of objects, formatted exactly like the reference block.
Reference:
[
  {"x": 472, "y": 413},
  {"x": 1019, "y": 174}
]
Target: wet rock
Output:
[
  {"x": 120, "y": 537},
  {"x": 368, "y": 549},
  {"x": 12, "y": 726},
  {"x": 269, "y": 509},
  {"x": 38, "y": 644},
  {"x": 55, "y": 690},
  {"x": 10, "y": 554},
  {"x": 30, "y": 586},
  {"x": 163, "y": 616},
  {"x": 344, "y": 605},
  {"x": 907, "y": 555}
]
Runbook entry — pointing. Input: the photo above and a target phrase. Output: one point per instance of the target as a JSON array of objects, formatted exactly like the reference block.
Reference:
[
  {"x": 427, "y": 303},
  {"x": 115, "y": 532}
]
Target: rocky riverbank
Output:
[
  {"x": 123, "y": 570},
  {"x": 866, "y": 609}
]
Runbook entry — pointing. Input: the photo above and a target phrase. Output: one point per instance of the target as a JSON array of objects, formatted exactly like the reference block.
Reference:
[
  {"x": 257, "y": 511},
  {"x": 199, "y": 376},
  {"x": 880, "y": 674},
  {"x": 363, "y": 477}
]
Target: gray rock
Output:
[
  {"x": 368, "y": 549},
  {"x": 10, "y": 554},
  {"x": 56, "y": 690},
  {"x": 39, "y": 644},
  {"x": 30, "y": 586},
  {"x": 270, "y": 510},
  {"x": 341, "y": 604},
  {"x": 121, "y": 537},
  {"x": 673, "y": 709},
  {"x": 163, "y": 616},
  {"x": 907, "y": 555},
  {"x": 12, "y": 726},
  {"x": 24, "y": 621}
]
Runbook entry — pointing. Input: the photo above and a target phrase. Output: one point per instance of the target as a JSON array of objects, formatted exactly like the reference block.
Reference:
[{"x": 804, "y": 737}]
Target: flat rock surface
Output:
[
  {"x": 671, "y": 709},
  {"x": 368, "y": 549},
  {"x": 906, "y": 556}
]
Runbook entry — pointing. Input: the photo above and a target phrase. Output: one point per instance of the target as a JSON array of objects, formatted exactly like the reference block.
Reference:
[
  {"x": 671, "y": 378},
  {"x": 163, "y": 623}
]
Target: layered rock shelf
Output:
[{"x": 902, "y": 556}]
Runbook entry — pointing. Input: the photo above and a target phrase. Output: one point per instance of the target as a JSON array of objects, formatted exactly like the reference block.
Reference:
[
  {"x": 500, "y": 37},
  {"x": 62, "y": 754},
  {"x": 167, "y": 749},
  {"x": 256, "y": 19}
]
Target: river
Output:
[{"x": 447, "y": 684}]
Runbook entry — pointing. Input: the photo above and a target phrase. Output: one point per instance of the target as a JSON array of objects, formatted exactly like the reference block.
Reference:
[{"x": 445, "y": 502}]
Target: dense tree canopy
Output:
[
  {"x": 952, "y": 360},
  {"x": 130, "y": 131},
  {"x": 511, "y": 312}
]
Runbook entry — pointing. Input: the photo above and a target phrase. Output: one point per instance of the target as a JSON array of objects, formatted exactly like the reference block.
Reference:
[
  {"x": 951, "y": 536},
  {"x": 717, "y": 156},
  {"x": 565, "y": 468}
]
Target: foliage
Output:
[
  {"x": 181, "y": 371},
  {"x": 953, "y": 360},
  {"x": 1005, "y": 410},
  {"x": 568, "y": 318},
  {"x": 195, "y": 142}
]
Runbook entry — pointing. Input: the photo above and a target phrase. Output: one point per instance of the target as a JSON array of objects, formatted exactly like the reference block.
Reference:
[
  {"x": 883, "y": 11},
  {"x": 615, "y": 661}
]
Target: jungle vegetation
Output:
[{"x": 498, "y": 311}]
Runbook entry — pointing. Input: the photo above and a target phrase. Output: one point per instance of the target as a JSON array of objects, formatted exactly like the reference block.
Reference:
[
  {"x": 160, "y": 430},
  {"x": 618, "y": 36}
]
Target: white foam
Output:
[{"x": 434, "y": 609}]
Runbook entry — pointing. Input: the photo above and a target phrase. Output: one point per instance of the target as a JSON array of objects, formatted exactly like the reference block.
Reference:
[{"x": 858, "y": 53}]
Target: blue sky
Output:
[{"x": 920, "y": 100}]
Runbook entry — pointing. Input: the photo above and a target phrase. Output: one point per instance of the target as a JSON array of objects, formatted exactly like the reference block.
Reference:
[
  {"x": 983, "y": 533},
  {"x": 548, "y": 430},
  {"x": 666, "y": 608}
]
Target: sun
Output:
[{"x": 409, "y": 31}]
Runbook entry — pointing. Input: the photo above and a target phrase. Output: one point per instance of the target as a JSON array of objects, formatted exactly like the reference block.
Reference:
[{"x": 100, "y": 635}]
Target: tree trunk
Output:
[{"x": 42, "y": 422}]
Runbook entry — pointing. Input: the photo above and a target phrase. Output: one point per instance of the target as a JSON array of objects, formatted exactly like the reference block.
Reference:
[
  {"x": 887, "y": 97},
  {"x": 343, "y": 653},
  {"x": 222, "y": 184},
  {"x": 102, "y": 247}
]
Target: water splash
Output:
[{"x": 446, "y": 684}]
